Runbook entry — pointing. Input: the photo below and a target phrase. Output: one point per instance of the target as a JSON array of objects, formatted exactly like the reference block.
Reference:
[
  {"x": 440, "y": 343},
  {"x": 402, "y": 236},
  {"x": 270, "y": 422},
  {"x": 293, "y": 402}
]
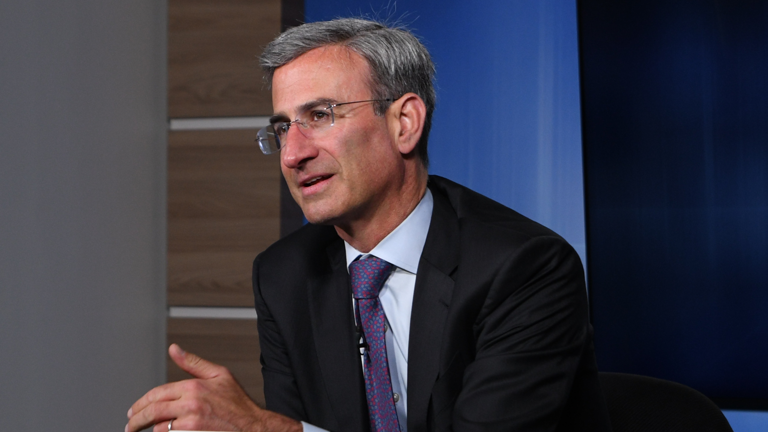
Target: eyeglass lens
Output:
[{"x": 312, "y": 120}]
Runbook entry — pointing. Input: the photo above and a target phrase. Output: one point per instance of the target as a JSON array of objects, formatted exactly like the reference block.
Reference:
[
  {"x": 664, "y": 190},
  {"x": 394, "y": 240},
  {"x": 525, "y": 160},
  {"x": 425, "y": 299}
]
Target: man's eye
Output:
[
  {"x": 281, "y": 128},
  {"x": 319, "y": 116}
]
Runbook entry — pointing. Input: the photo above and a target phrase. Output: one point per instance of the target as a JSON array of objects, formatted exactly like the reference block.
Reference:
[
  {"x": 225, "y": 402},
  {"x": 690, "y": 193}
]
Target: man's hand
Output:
[{"x": 212, "y": 401}]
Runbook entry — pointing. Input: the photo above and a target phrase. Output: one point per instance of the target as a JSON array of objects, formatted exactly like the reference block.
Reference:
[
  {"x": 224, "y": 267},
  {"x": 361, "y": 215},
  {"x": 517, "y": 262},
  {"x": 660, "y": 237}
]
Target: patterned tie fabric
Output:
[{"x": 368, "y": 276}]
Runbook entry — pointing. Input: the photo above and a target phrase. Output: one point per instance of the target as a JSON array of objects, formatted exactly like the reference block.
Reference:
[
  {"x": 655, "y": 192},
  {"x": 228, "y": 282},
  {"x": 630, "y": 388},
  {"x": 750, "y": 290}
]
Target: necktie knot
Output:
[{"x": 368, "y": 276}]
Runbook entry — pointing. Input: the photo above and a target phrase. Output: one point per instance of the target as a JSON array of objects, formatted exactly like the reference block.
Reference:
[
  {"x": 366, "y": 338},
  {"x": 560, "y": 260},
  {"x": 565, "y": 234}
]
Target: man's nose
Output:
[{"x": 297, "y": 148}]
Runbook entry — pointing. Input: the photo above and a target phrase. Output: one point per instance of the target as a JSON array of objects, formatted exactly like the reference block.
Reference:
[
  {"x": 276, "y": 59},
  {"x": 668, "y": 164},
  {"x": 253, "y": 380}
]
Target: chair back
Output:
[{"x": 643, "y": 404}]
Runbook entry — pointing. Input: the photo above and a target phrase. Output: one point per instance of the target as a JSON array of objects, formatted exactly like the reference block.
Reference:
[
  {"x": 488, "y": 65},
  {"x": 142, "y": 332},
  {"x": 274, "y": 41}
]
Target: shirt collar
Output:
[{"x": 402, "y": 247}]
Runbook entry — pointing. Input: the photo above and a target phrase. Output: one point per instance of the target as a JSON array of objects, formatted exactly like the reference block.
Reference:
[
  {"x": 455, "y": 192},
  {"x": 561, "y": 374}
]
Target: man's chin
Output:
[
  {"x": 319, "y": 217},
  {"x": 328, "y": 211}
]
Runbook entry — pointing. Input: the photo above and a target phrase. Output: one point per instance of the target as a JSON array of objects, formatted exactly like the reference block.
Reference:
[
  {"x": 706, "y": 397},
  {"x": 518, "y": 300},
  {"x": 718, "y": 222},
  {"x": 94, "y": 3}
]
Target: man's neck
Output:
[{"x": 365, "y": 233}]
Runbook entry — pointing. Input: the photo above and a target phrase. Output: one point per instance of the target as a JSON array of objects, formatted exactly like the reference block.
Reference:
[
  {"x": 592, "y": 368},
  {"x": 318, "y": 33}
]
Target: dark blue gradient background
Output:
[{"x": 675, "y": 124}]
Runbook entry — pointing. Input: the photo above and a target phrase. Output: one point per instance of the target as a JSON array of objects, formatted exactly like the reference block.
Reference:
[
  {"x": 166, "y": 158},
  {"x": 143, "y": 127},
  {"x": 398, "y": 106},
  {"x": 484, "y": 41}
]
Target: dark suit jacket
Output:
[{"x": 500, "y": 337}]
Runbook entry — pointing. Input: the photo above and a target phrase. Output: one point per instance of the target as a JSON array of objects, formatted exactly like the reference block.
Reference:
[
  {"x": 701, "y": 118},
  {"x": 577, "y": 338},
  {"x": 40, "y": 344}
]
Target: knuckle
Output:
[
  {"x": 152, "y": 396},
  {"x": 195, "y": 387},
  {"x": 193, "y": 406},
  {"x": 149, "y": 397},
  {"x": 189, "y": 386}
]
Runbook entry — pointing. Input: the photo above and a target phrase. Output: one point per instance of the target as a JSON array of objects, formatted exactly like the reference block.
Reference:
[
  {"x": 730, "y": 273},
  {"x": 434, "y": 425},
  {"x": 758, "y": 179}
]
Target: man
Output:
[{"x": 409, "y": 302}]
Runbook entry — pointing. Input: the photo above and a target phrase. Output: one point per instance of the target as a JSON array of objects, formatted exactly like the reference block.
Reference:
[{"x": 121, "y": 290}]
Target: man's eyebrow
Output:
[
  {"x": 302, "y": 108},
  {"x": 278, "y": 118},
  {"x": 313, "y": 103}
]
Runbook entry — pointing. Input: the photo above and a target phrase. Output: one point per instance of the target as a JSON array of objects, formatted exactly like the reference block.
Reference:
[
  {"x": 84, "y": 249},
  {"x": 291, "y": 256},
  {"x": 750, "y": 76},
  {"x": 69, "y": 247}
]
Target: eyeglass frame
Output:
[{"x": 267, "y": 131}]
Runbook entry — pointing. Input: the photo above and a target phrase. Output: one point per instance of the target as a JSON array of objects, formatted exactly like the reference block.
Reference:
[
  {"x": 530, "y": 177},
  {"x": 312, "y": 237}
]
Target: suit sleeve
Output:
[
  {"x": 530, "y": 337},
  {"x": 280, "y": 389}
]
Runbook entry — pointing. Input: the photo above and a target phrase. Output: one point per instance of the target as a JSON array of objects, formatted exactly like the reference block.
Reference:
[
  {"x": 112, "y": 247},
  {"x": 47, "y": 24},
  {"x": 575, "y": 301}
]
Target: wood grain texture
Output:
[
  {"x": 223, "y": 209},
  {"x": 230, "y": 343},
  {"x": 213, "y": 46}
]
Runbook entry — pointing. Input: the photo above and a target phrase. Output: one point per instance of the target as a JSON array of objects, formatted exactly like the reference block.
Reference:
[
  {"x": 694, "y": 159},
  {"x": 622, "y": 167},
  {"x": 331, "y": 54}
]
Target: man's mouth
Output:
[{"x": 314, "y": 180}]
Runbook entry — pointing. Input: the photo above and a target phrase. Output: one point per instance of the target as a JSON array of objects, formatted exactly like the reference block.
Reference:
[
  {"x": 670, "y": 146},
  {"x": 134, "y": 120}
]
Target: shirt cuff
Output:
[{"x": 311, "y": 428}]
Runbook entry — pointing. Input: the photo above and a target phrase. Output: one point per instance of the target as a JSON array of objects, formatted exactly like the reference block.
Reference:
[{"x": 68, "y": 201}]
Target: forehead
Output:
[{"x": 331, "y": 72}]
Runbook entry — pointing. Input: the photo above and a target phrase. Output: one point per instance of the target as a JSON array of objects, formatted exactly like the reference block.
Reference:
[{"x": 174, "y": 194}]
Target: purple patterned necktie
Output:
[{"x": 368, "y": 276}]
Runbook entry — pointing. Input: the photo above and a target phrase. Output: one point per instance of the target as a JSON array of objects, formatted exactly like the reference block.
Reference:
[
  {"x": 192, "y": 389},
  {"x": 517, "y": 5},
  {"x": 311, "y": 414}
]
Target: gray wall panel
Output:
[{"x": 82, "y": 211}]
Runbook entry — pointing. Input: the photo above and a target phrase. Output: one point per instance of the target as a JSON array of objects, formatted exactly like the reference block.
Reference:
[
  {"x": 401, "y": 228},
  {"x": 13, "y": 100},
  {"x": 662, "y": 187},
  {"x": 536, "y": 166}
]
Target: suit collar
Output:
[
  {"x": 441, "y": 248},
  {"x": 335, "y": 341},
  {"x": 432, "y": 298}
]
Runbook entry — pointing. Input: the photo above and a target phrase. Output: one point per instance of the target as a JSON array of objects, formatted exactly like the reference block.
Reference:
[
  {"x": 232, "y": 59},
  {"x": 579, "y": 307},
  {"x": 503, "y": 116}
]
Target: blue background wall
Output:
[
  {"x": 507, "y": 116},
  {"x": 675, "y": 109},
  {"x": 507, "y": 122}
]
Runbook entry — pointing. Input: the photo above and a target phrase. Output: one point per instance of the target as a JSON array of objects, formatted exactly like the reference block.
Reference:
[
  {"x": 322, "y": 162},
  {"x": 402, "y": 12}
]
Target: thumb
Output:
[{"x": 194, "y": 365}]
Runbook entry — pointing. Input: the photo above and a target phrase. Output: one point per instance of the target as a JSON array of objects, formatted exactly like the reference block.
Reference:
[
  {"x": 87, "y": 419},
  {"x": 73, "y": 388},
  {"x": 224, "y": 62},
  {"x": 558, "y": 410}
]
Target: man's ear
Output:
[{"x": 407, "y": 116}]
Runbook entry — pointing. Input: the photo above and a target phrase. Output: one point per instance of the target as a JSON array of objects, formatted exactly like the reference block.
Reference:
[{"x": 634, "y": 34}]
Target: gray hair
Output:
[{"x": 399, "y": 62}]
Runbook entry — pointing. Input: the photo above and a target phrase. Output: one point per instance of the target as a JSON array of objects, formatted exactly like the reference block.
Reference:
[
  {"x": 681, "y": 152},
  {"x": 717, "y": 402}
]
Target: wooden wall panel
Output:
[
  {"x": 231, "y": 343},
  {"x": 213, "y": 47},
  {"x": 223, "y": 209}
]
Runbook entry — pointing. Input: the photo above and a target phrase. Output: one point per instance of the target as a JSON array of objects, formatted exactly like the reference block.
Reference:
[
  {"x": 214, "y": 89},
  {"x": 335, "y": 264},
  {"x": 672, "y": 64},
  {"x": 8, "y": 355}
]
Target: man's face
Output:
[{"x": 350, "y": 172}]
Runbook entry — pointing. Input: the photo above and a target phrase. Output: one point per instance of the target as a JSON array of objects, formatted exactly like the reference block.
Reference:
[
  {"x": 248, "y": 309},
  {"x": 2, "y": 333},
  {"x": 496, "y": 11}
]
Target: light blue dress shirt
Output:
[{"x": 402, "y": 248}]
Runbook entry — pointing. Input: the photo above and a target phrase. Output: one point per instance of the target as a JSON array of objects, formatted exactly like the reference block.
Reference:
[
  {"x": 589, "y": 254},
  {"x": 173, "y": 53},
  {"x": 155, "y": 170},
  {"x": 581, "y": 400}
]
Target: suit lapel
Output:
[
  {"x": 432, "y": 297},
  {"x": 330, "y": 304}
]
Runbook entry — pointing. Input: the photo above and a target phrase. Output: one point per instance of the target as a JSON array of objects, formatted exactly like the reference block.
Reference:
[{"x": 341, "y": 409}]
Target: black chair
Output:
[{"x": 644, "y": 404}]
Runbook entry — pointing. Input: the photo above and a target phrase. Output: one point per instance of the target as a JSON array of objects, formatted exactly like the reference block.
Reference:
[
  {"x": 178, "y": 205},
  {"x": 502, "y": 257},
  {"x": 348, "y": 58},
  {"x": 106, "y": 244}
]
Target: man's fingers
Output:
[
  {"x": 156, "y": 413},
  {"x": 194, "y": 365},
  {"x": 167, "y": 392},
  {"x": 163, "y": 427}
]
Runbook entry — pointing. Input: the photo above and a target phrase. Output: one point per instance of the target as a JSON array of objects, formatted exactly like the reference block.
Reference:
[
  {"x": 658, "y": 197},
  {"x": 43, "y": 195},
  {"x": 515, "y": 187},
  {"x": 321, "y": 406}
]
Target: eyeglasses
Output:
[{"x": 313, "y": 119}]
